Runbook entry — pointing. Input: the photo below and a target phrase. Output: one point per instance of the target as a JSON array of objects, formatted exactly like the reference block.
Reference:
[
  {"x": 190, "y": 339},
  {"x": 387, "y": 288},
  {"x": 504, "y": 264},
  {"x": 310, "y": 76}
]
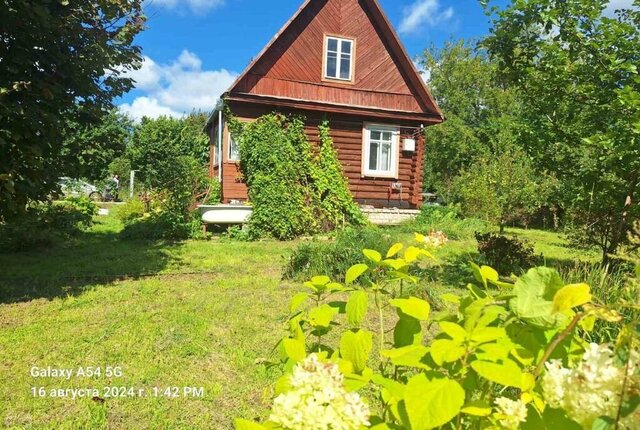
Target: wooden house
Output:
[{"x": 343, "y": 61}]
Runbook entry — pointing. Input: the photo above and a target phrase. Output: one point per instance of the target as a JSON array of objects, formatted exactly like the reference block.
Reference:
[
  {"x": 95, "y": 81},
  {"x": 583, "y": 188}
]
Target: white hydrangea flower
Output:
[
  {"x": 318, "y": 400},
  {"x": 588, "y": 391},
  {"x": 513, "y": 412}
]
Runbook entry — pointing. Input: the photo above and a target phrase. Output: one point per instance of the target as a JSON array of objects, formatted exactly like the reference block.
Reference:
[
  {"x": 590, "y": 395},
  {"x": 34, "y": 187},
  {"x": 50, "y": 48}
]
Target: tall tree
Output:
[
  {"x": 60, "y": 60},
  {"x": 98, "y": 145},
  {"x": 157, "y": 143},
  {"x": 576, "y": 72},
  {"x": 483, "y": 114}
]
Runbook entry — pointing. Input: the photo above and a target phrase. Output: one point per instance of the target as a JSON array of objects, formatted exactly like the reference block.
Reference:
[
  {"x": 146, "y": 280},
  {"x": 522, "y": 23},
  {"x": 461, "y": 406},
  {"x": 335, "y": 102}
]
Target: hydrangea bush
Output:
[{"x": 510, "y": 353}]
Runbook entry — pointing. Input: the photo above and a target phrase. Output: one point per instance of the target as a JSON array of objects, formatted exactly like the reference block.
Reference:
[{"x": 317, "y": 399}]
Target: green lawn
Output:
[{"x": 194, "y": 314}]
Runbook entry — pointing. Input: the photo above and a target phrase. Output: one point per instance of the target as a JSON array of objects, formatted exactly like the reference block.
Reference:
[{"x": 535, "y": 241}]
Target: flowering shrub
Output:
[
  {"x": 505, "y": 355},
  {"x": 317, "y": 400}
]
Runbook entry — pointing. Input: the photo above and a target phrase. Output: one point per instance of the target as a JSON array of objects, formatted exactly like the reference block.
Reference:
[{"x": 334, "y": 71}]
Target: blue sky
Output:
[{"x": 194, "y": 49}]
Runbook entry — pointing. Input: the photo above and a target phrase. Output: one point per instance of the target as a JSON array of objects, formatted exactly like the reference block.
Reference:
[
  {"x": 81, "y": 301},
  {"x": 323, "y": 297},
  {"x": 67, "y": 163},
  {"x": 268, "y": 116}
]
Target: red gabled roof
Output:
[{"x": 391, "y": 40}]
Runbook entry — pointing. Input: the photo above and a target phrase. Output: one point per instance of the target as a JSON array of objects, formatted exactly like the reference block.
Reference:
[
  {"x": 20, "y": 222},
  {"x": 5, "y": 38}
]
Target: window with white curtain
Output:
[
  {"x": 381, "y": 150},
  {"x": 234, "y": 149}
]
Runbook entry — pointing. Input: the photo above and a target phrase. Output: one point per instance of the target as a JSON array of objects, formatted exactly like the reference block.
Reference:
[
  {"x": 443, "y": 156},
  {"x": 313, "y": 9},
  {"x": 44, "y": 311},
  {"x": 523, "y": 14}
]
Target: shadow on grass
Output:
[{"x": 98, "y": 257}]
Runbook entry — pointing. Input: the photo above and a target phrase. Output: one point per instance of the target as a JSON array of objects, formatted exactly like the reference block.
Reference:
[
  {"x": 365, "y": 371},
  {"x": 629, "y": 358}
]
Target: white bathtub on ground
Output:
[{"x": 225, "y": 214}]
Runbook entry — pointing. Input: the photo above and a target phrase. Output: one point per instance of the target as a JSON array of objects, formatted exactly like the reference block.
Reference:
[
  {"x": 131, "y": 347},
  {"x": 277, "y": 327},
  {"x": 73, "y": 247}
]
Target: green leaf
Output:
[
  {"x": 431, "y": 404},
  {"x": 487, "y": 334},
  {"x": 478, "y": 408},
  {"x": 396, "y": 264},
  {"x": 534, "y": 293},
  {"x": 571, "y": 296},
  {"x": 294, "y": 349},
  {"x": 446, "y": 351},
  {"x": 248, "y": 425},
  {"x": 508, "y": 373},
  {"x": 372, "y": 255},
  {"x": 357, "y": 307},
  {"x": 603, "y": 423},
  {"x": 355, "y": 272},
  {"x": 408, "y": 331},
  {"x": 558, "y": 419},
  {"x": 393, "y": 251},
  {"x": 320, "y": 281},
  {"x": 453, "y": 330},
  {"x": 356, "y": 346},
  {"x": 484, "y": 274},
  {"x": 322, "y": 316},
  {"x": 414, "y": 307},
  {"x": 408, "y": 356},
  {"x": 297, "y": 301}
]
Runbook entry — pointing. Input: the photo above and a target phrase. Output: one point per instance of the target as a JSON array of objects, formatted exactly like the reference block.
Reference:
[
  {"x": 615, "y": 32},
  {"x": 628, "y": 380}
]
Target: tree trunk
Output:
[{"x": 620, "y": 231}]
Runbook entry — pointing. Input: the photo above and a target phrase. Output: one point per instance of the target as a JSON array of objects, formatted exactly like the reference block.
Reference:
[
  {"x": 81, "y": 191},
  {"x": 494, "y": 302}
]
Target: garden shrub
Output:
[
  {"x": 42, "y": 225},
  {"x": 506, "y": 254},
  {"x": 501, "y": 356},
  {"x": 130, "y": 211},
  {"x": 504, "y": 189},
  {"x": 295, "y": 190},
  {"x": 447, "y": 220},
  {"x": 335, "y": 257}
]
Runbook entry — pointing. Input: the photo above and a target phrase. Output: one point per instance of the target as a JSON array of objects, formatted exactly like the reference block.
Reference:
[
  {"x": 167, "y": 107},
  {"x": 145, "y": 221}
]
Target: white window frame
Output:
[
  {"x": 339, "y": 54},
  {"x": 229, "y": 158},
  {"x": 395, "y": 151}
]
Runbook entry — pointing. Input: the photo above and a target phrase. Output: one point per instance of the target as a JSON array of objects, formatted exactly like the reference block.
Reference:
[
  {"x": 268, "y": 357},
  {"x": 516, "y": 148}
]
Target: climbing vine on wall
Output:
[
  {"x": 295, "y": 189},
  {"x": 332, "y": 189}
]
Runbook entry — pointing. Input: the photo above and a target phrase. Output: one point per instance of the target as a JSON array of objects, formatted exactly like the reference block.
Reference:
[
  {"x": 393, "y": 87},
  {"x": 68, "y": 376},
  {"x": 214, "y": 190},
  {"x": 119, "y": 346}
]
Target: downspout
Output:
[{"x": 220, "y": 146}]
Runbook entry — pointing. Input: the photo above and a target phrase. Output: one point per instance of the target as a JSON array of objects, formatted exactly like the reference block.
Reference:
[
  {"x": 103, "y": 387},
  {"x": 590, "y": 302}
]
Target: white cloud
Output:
[
  {"x": 616, "y": 5},
  {"x": 424, "y": 13},
  {"x": 149, "y": 107},
  {"x": 197, "y": 6},
  {"x": 176, "y": 88}
]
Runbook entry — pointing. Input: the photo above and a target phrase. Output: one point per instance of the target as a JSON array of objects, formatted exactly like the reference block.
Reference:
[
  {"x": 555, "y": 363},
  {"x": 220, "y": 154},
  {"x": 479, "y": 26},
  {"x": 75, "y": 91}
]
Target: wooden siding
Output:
[
  {"x": 293, "y": 66},
  {"x": 347, "y": 134}
]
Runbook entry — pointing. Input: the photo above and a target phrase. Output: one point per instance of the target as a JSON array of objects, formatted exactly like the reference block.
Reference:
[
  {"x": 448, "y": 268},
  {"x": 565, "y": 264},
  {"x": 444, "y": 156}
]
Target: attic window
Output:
[{"x": 338, "y": 58}]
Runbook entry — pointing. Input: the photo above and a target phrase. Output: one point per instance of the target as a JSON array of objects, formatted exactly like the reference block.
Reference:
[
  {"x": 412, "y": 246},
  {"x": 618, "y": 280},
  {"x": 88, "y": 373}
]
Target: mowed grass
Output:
[
  {"x": 203, "y": 320},
  {"x": 193, "y": 314}
]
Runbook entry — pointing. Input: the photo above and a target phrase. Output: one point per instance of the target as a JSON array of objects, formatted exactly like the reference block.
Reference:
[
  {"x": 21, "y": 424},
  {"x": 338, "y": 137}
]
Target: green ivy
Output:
[
  {"x": 294, "y": 190},
  {"x": 331, "y": 187}
]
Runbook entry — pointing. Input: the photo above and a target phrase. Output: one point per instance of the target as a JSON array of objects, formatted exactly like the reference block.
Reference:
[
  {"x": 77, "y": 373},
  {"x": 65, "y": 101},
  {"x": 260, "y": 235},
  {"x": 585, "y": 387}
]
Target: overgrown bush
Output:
[
  {"x": 42, "y": 225},
  {"x": 503, "y": 356},
  {"x": 506, "y": 254},
  {"x": 504, "y": 189},
  {"x": 295, "y": 190},
  {"x": 129, "y": 211},
  {"x": 447, "y": 220},
  {"x": 335, "y": 257}
]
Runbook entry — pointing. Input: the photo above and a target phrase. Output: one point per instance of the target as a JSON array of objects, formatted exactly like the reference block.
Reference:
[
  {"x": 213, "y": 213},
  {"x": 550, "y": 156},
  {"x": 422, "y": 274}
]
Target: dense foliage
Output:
[
  {"x": 502, "y": 356},
  {"x": 506, "y": 254},
  {"x": 576, "y": 72},
  {"x": 46, "y": 224},
  {"x": 336, "y": 256},
  {"x": 503, "y": 190},
  {"x": 98, "y": 145},
  {"x": 60, "y": 61},
  {"x": 157, "y": 143},
  {"x": 295, "y": 189}
]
